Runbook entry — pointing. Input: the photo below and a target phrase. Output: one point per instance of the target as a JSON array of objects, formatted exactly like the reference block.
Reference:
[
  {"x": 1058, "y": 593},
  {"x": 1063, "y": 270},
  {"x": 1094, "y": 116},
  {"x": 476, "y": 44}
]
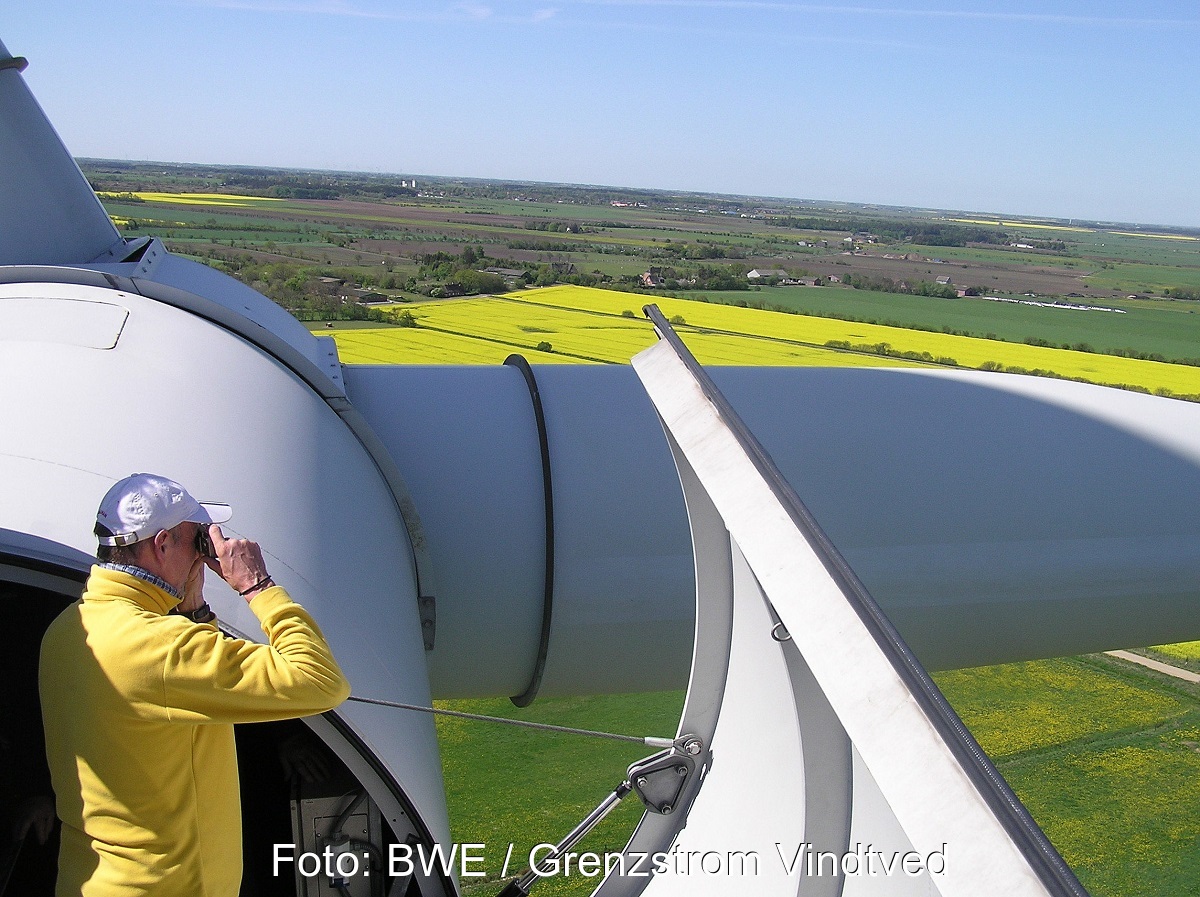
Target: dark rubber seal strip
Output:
[{"x": 526, "y": 697}]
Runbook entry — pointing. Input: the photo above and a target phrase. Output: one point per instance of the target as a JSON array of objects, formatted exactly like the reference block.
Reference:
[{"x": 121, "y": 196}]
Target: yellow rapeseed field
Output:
[
  {"x": 1182, "y": 651},
  {"x": 120, "y": 221},
  {"x": 487, "y": 330},
  {"x": 1155, "y": 236},
  {"x": 584, "y": 324},
  {"x": 412, "y": 345},
  {"x": 968, "y": 352},
  {"x": 1003, "y": 223},
  {"x": 208, "y": 199}
]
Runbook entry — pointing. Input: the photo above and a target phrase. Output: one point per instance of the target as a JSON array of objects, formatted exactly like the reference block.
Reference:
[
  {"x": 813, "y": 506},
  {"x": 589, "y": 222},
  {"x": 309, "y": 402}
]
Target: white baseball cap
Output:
[{"x": 142, "y": 504}]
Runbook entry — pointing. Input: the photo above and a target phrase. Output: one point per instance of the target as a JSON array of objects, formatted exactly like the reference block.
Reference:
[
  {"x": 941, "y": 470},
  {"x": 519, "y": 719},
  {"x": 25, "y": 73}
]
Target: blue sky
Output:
[{"x": 1057, "y": 108}]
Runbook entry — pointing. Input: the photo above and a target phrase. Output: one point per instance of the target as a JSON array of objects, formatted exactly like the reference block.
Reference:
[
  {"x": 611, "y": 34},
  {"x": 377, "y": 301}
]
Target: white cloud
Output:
[
  {"x": 474, "y": 10},
  {"x": 894, "y": 12}
]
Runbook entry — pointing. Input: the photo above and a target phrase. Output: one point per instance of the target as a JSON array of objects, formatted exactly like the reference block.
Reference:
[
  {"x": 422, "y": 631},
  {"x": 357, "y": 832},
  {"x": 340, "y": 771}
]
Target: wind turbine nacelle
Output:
[{"x": 993, "y": 517}]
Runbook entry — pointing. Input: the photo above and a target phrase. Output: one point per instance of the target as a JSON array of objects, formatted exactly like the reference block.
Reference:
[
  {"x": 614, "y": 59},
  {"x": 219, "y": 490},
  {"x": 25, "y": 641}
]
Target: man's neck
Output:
[{"x": 146, "y": 576}]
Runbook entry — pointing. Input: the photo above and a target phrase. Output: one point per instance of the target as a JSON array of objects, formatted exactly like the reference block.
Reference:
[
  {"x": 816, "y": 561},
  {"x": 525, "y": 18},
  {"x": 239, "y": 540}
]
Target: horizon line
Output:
[{"x": 1030, "y": 218}]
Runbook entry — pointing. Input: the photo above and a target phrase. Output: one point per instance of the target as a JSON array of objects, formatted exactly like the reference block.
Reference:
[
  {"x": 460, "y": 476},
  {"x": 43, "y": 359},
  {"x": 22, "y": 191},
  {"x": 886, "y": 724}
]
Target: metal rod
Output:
[{"x": 522, "y": 885}]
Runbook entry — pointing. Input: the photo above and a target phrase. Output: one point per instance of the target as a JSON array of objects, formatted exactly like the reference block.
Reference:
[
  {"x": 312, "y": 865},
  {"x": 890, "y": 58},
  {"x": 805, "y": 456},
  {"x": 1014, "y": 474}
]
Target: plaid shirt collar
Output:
[{"x": 146, "y": 576}]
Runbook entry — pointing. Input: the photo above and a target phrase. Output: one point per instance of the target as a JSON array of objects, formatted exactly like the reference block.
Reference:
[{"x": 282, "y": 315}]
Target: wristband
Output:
[{"x": 261, "y": 584}]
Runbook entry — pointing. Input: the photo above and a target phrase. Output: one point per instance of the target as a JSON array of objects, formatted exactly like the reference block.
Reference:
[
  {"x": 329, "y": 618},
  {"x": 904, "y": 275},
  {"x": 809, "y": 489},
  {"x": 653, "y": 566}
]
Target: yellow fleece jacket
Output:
[{"x": 139, "y": 707}]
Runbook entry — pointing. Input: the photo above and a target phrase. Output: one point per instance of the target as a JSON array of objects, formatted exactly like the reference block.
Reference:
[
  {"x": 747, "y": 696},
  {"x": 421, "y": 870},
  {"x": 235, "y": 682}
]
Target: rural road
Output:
[{"x": 1157, "y": 665}]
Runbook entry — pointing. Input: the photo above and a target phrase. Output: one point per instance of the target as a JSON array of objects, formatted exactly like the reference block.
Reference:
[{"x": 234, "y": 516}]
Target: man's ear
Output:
[{"x": 161, "y": 539}]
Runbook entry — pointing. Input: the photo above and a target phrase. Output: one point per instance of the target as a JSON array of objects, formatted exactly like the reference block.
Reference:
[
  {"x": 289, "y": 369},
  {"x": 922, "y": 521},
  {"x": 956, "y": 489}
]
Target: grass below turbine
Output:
[{"x": 1105, "y": 755}]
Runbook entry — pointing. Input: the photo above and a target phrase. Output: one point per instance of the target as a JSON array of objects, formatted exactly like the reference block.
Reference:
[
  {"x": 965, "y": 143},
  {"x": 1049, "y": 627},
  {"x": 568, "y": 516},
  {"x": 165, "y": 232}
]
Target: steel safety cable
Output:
[
  {"x": 649, "y": 740},
  {"x": 526, "y": 724}
]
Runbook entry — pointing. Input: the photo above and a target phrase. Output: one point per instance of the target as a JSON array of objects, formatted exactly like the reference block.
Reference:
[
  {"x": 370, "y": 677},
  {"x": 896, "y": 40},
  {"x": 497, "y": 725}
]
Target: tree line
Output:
[
  {"x": 927, "y": 233},
  {"x": 881, "y": 284}
]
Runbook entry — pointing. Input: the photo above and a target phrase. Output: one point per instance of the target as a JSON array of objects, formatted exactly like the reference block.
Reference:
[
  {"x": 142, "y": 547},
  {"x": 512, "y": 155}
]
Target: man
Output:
[{"x": 140, "y": 691}]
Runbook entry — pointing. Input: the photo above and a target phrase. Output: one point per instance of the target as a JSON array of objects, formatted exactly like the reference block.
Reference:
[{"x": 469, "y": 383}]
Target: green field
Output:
[
  {"x": 506, "y": 785},
  {"x": 1145, "y": 278},
  {"x": 1105, "y": 755},
  {"x": 1170, "y": 329}
]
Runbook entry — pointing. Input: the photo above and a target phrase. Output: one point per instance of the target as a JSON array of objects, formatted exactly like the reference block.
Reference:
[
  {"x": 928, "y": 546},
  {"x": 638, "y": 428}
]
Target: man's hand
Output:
[
  {"x": 193, "y": 590},
  {"x": 36, "y": 814},
  {"x": 239, "y": 562},
  {"x": 301, "y": 759}
]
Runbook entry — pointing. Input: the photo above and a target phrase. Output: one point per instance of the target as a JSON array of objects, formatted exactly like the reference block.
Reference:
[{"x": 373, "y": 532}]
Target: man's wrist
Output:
[
  {"x": 202, "y": 614},
  {"x": 265, "y": 583}
]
